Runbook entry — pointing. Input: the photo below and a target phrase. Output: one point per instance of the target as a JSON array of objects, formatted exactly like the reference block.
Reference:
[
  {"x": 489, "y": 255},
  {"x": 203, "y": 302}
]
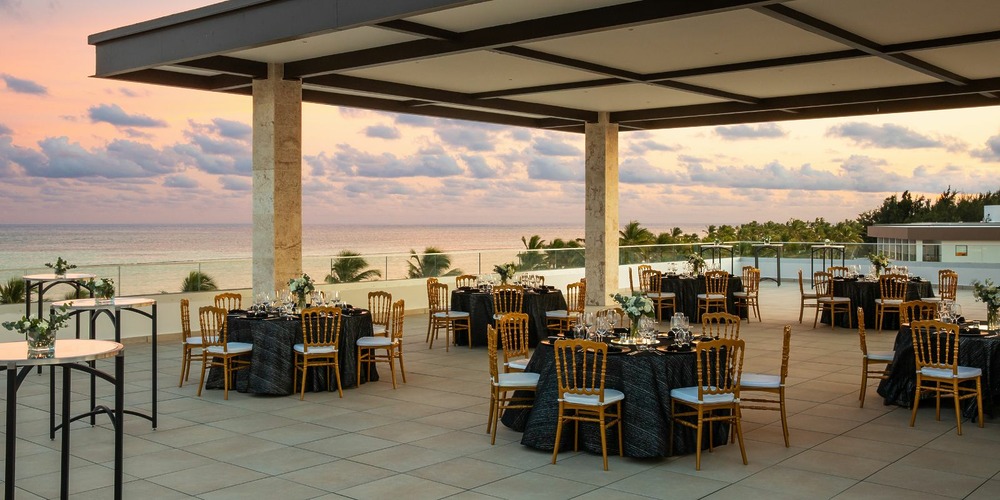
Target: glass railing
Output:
[{"x": 227, "y": 274}]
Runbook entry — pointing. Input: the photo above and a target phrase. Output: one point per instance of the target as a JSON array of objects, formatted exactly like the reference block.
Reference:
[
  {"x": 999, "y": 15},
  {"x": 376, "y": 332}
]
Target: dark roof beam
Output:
[
  {"x": 412, "y": 28},
  {"x": 586, "y": 84},
  {"x": 231, "y": 65}
]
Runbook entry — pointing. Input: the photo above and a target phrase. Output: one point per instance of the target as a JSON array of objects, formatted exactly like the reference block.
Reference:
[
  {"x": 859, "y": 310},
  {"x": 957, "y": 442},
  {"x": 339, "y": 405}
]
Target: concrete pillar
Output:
[
  {"x": 277, "y": 180},
  {"x": 601, "y": 224}
]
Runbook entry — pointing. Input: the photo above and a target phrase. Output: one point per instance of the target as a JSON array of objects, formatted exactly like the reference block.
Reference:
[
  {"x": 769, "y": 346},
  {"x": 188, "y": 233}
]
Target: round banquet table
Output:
[
  {"x": 974, "y": 349},
  {"x": 865, "y": 294},
  {"x": 272, "y": 363},
  {"x": 479, "y": 305},
  {"x": 646, "y": 380},
  {"x": 687, "y": 290}
]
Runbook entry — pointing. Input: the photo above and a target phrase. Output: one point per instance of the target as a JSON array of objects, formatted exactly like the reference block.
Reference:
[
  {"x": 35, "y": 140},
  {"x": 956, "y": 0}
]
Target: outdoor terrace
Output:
[{"x": 427, "y": 438}]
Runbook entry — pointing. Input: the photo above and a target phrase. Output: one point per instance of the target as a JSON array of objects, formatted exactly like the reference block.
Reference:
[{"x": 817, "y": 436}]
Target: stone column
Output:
[
  {"x": 601, "y": 225},
  {"x": 277, "y": 180}
]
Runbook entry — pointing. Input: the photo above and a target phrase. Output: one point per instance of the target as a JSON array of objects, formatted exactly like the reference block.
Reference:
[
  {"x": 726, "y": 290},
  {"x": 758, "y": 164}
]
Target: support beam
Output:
[
  {"x": 601, "y": 224},
  {"x": 277, "y": 180}
]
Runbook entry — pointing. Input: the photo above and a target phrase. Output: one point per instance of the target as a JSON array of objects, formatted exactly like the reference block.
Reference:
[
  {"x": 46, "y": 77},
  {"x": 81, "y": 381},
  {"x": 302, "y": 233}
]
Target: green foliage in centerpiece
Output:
[
  {"x": 880, "y": 262},
  {"x": 105, "y": 287},
  {"x": 635, "y": 305},
  {"x": 197, "y": 281},
  {"x": 60, "y": 267},
  {"x": 301, "y": 287},
  {"x": 506, "y": 271},
  {"x": 987, "y": 293},
  {"x": 40, "y": 331},
  {"x": 697, "y": 263}
]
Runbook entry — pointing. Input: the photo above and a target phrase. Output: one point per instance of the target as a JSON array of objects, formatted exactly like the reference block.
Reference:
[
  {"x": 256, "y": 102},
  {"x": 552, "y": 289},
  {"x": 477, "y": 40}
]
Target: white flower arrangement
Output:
[
  {"x": 635, "y": 305},
  {"x": 506, "y": 271},
  {"x": 302, "y": 286},
  {"x": 697, "y": 263}
]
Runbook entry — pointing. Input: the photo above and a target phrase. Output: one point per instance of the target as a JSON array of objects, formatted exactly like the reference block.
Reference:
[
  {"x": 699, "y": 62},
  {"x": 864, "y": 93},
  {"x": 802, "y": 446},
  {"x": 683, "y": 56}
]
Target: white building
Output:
[{"x": 958, "y": 242}]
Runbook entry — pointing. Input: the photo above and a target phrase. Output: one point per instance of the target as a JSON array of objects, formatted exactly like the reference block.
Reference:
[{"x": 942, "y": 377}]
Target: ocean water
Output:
[{"x": 152, "y": 258}]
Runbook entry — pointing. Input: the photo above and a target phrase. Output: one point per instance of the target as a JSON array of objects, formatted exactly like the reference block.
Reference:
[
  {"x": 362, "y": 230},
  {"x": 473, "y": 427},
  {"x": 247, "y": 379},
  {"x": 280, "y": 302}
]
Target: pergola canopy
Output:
[{"x": 651, "y": 64}]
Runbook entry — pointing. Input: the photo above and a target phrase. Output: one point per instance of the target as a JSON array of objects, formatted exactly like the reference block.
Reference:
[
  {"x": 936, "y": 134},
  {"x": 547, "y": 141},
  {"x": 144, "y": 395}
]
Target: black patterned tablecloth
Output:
[
  {"x": 687, "y": 290},
  {"x": 975, "y": 351},
  {"x": 272, "y": 365},
  {"x": 865, "y": 294},
  {"x": 479, "y": 305},
  {"x": 645, "y": 379}
]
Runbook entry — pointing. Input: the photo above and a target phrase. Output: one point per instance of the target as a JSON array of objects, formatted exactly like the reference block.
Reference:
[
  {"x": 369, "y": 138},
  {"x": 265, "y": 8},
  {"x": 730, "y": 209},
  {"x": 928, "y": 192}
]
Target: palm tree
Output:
[
  {"x": 12, "y": 292},
  {"x": 197, "y": 281},
  {"x": 634, "y": 234},
  {"x": 565, "y": 259},
  {"x": 433, "y": 262},
  {"x": 348, "y": 267},
  {"x": 533, "y": 258}
]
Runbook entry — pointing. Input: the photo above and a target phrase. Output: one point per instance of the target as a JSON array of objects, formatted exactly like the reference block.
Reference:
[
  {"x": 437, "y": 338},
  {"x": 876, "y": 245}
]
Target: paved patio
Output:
[{"x": 427, "y": 439}]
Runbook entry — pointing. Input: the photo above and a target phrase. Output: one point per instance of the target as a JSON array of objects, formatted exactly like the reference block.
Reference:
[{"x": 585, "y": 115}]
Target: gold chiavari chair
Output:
[
  {"x": 893, "y": 292},
  {"x": 882, "y": 361},
  {"x": 720, "y": 325},
  {"x": 368, "y": 347},
  {"x": 838, "y": 271},
  {"x": 561, "y": 321},
  {"x": 806, "y": 299},
  {"x": 503, "y": 383},
  {"x": 380, "y": 307},
  {"x": 827, "y": 301},
  {"x": 935, "y": 349},
  {"x": 430, "y": 318},
  {"x": 580, "y": 370},
  {"x": 189, "y": 342},
  {"x": 650, "y": 282},
  {"x": 229, "y": 301},
  {"x": 320, "y": 345},
  {"x": 716, "y": 292},
  {"x": 507, "y": 299},
  {"x": 716, "y": 398},
  {"x": 947, "y": 286},
  {"x": 749, "y": 298},
  {"x": 920, "y": 310},
  {"x": 217, "y": 351},
  {"x": 513, "y": 330},
  {"x": 443, "y": 317},
  {"x": 466, "y": 280},
  {"x": 769, "y": 384}
]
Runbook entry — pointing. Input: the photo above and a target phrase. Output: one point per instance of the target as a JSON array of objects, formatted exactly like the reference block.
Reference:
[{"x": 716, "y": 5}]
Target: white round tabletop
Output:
[
  {"x": 65, "y": 277},
  {"x": 67, "y": 351},
  {"x": 117, "y": 303}
]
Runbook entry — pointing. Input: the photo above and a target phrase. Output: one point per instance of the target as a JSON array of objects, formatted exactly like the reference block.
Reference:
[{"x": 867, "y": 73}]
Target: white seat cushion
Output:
[
  {"x": 712, "y": 296},
  {"x": 451, "y": 314},
  {"x": 890, "y": 302},
  {"x": 193, "y": 341},
  {"x": 690, "y": 395},
  {"x": 519, "y": 379},
  {"x": 375, "y": 342},
  {"x": 322, "y": 349},
  {"x": 838, "y": 300},
  {"x": 231, "y": 347},
  {"x": 744, "y": 294},
  {"x": 882, "y": 356},
  {"x": 963, "y": 372},
  {"x": 661, "y": 295},
  {"x": 760, "y": 381},
  {"x": 378, "y": 329},
  {"x": 556, "y": 314},
  {"x": 518, "y": 364},
  {"x": 931, "y": 299},
  {"x": 610, "y": 396}
]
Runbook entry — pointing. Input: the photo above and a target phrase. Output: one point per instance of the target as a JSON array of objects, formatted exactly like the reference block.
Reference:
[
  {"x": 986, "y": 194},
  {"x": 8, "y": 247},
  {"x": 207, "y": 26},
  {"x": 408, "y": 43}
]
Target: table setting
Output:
[
  {"x": 478, "y": 302},
  {"x": 864, "y": 292}
]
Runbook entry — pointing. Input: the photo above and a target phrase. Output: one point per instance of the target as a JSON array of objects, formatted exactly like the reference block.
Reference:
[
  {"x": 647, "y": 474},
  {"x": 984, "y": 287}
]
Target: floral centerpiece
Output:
[
  {"x": 301, "y": 287},
  {"x": 103, "y": 290},
  {"x": 635, "y": 306},
  {"x": 60, "y": 267},
  {"x": 989, "y": 294},
  {"x": 39, "y": 332},
  {"x": 506, "y": 271},
  {"x": 880, "y": 262},
  {"x": 696, "y": 262}
]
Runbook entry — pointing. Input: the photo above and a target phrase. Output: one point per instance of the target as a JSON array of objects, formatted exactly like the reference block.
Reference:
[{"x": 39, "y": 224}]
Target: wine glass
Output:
[{"x": 602, "y": 328}]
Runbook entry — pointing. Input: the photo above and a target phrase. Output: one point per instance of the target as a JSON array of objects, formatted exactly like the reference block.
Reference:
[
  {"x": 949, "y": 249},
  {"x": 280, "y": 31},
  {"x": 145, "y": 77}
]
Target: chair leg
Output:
[
  {"x": 604, "y": 437},
  {"x": 816, "y": 317},
  {"x": 697, "y": 442},
  {"x": 402, "y": 370},
  {"x": 305, "y": 369},
  {"x": 336, "y": 372},
  {"x": 916, "y": 400},
  {"x": 802, "y": 309},
  {"x": 979, "y": 400},
  {"x": 357, "y": 379},
  {"x": 392, "y": 368},
  {"x": 739, "y": 434},
  {"x": 494, "y": 419},
  {"x": 185, "y": 364},
  {"x": 204, "y": 361},
  {"x": 958, "y": 411},
  {"x": 784, "y": 415},
  {"x": 493, "y": 402},
  {"x": 864, "y": 381},
  {"x": 225, "y": 378},
  {"x": 559, "y": 426},
  {"x": 618, "y": 423}
]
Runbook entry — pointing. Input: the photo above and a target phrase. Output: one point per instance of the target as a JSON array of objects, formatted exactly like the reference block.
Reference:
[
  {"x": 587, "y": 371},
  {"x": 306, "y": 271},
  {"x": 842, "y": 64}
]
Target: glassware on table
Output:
[{"x": 602, "y": 328}]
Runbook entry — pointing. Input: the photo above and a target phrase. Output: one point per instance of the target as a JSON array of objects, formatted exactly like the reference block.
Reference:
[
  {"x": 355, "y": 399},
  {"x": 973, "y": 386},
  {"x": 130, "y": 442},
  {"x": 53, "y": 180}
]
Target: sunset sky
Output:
[{"x": 79, "y": 149}]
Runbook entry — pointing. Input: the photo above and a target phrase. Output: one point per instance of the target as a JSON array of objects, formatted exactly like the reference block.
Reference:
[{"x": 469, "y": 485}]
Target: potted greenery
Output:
[
  {"x": 506, "y": 271},
  {"x": 40, "y": 333},
  {"x": 635, "y": 306},
  {"x": 60, "y": 267},
  {"x": 989, "y": 294},
  {"x": 103, "y": 291},
  {"x": 301, "y": 287}
]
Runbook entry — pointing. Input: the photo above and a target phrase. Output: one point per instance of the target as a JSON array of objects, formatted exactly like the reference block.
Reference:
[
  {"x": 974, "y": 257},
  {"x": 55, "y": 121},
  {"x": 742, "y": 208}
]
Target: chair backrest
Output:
[
  {"x": 622, "y": 317},
  {"x": 786, "y": 344},
  {"x": 947, "y": 284},
  {"x": 920, "y": 310},
  {"x": 229, "y": 301},
  {"x": 380, "y": 306},
  {"x": 466, "y": 280},
  {"x": 213, "y": 325},
  {"x": 935, "y": 344},
  {"x": 643, "y": 267},
  {"x": 186, "y": 318},
  {"x": 491, "y": 348},
  {"x": 823, "y": 284},
  {"x": 513, "y": 330},
  {"x": 861, "y": 331},
  {"x": 720, "y": 325},
  {"x": 838, "y": 271},
  {"x": 719, "y": 367},
  {"x": 631, "y": 281},
  {"x": 396, "y": 328},
  {"x": 751, "y": 279},
  {"x": 576, "y": 296},
  {"x": 893, "y": 286},
  {"x": 716, "y": 282},
  {"x": 580, "y": 367},
  {"x": 802, "y": 288},
  {"x": 508, "y": 299},
  {"x": 650, "y": 281},
  {"x": 320, "y": 327},
  {"x": 437, "y": 297}
]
